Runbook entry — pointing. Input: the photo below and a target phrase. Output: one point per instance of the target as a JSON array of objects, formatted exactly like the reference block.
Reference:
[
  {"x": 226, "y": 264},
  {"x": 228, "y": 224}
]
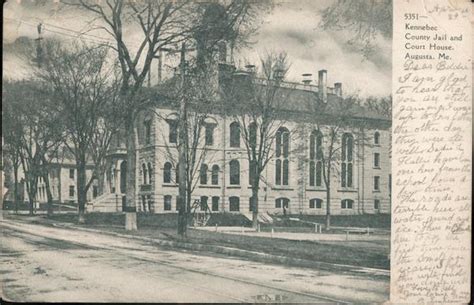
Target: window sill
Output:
[
  {"x": 347, "y": 190},
  {"x": 169, "y": 185},
  {"x": 376, "y": 167},
  {"x": 282, "y": 188},
  {"x": 234, "y": 187},
  {"x": 204, "y": 186},
  {"x": 315, "y": 189},
  {"x": 376, "y": 191}
]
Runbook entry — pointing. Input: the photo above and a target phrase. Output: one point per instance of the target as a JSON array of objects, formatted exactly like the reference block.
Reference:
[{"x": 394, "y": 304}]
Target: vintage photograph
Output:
[{"x": 196, "y": 151}]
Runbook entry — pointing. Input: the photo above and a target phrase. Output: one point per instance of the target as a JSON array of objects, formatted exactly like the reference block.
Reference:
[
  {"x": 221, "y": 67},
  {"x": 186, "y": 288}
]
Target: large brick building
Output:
[{"x": 292, "y": 180}]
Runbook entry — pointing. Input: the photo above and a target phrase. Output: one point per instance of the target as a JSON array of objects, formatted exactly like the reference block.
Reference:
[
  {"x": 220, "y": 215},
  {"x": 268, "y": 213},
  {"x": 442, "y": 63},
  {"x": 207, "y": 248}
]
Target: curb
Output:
[{"x": 253, "y": 255}]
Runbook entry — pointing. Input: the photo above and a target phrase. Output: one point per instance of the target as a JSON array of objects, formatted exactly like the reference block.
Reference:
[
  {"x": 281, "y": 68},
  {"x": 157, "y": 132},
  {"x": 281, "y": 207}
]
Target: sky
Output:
[{"x": 291, "y": 27}]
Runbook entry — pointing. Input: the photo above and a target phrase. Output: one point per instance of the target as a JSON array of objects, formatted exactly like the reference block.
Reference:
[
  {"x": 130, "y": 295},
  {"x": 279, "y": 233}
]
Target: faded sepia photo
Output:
[{"x": 196, "y": 151}]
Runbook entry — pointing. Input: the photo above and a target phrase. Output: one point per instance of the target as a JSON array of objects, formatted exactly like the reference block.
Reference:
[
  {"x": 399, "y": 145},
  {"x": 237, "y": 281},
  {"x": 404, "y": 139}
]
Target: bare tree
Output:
[
  {"x": 334, "y": 143},
  {"x": 365, "y": 19},
  {"x": 79, "y": 79},
  {"x": 257, "y": 106},
  {"x": 32, "y": 124},
  {"x": 161, "y": 24},
  {"x": 12, "y": 130}
]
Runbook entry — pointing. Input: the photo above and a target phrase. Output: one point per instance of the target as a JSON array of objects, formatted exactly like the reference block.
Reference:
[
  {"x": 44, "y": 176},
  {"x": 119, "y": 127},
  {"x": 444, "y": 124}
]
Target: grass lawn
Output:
[{"x": 372, "y": 254}]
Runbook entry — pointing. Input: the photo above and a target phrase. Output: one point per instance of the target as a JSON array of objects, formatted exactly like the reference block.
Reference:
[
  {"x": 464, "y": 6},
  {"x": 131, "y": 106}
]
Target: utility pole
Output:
[
  {"x": 39, "y": 48},
  {"x": 182, "y": 147}
]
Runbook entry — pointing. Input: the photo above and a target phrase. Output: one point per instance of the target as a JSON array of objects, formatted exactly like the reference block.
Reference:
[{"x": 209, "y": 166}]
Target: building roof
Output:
[{"x": 295, "y": 98}]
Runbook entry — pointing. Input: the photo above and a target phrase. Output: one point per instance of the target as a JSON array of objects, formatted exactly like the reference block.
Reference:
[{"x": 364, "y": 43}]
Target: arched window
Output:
[
  {"x": 376, "y": 138},
  {"x": 203, "y": 174},
  {"x": 234, "y": 172},
  {"x": 282, "y": 151},
  {"x": 347, "y": 160},
  {"x": 145, "y": 173},
  {"x": 215, "y": 175},
  {"x": 234, "y": 134},
  {"x": 150, "y": 173},
  {"x": 209, "y": 133},
  {"x": 167, "y": 172},
  {"x": 282, "y": 203},
  {"x": 347, "y": 203},
  {"x": 234, "y": 204},
  {"x": 315, "y": 158},
  {"x": 172, "y": 131},
  {"x": 147, "y": 131},
  {"x": 315, "y": 203}
]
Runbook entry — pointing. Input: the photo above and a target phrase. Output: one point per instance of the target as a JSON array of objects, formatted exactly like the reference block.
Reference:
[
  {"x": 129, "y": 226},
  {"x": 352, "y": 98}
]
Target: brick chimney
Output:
[
  {"x": 322, "y": 85},
  {"x": 338, "y": 89}
]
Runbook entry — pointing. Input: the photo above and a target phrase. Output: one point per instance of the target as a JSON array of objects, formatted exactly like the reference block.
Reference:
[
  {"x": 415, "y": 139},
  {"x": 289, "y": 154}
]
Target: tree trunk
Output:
[
  {"x": 15, "y": 187},
  {"x": 48, "y": 195},
  {"x": 254, "y": 204},
  {"x": 131, "y": 143},
  {"x": 328, "y": 209},
  {"x": 32, "y": 205},
  {"x": 328, "y": 199},
  {"x": 81, "y": 187}
]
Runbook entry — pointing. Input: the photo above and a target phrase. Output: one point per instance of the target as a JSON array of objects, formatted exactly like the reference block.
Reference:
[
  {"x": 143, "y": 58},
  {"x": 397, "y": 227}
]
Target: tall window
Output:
[
  {"x": 234, "y": 134},
  {"x": 71, "y": 173},
  {"x": 315, "y": 158},
  {"x": 167, "y": 172},
  {"x": 215, "y": 175},
  {"x": 252, "y": 171},
  {"x": 282, "y": 153},
  {"x": 151, "y": 205},
  {"x": 376, "y": 204},
  {"x": 315, "y": 203},
  {"x": 167, "y": 201},
  {"x": 145, "y": 173},
  {"x": 347, "y": 203},
  {"x": 173, "y": 131},
  {"x": 144, "y": 203},
  {"x": 95, "y": 191},
  {"x": 234, "y": 172},
  {"x": 376, "y": 138},
  {"x": 177, "y": 173},
  {"x": 234, "y": 204},
  {"x": 203, "y": 203},
  {"x": 71, "y": 191},
  {"x": 215, "y": 203},
  {"x": 376, "y": 183},
  {"x": 203, "y": 174},
  {"x": 253, "y": 135},
  {"x": 376, "y": 160},
  {"x": 147, "y": 127},
  {"x": 209, "y": 133},
  {"x": 150, "y": 173},
  {"x": 347, "y": 160}
]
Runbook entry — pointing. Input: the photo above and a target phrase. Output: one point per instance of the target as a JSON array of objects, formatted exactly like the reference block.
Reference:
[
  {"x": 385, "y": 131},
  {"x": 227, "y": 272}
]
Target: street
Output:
[{"x": 44, "y": 263}]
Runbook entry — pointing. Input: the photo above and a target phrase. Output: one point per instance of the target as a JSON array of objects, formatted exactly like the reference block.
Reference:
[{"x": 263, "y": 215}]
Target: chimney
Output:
[
  {"x": 322, "y": 85},
  {"x": 338, "y": 89}
]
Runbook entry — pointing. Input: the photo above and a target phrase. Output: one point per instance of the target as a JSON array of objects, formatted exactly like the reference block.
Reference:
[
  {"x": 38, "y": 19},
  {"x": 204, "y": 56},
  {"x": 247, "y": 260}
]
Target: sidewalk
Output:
[{"x": 205, "y": 245}]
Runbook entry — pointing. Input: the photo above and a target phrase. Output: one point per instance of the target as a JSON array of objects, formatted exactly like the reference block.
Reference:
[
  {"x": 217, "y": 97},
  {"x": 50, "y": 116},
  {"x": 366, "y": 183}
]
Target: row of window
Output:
[
  {"x": 95, "y": 191},
  {"x": 235, "y": 134},
  {"x": 281, "y": 175},
  {"x": 234, "y": 203}
]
